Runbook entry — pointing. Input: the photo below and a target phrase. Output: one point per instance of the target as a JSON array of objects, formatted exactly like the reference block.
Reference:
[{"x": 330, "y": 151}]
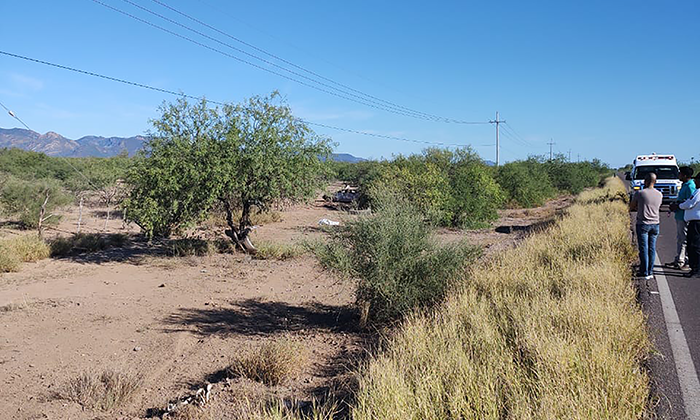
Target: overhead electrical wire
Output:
[
  {"x": 392, "y": 104},
  {"x": 184, "y": 95},
  {"x": 518, "y": 134},
  {"x": 13, "y": 115},
  {"x": 343, "y": 94},
  {"x": 514, "y": 139}
]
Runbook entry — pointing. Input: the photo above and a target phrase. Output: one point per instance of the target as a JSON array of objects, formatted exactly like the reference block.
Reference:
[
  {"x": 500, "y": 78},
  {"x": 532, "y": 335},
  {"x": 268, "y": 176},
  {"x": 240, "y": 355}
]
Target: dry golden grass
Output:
[
  {"x": 102, "y": 391},
  {"x": 550, "y": 330},
  {"x": 285, "y": 410},
  {"x": 277, "y": 251},
  {"x": 19, "y": 249},
  {"x": 271, "y": 362},
  {"x": 191, "y": 412}
]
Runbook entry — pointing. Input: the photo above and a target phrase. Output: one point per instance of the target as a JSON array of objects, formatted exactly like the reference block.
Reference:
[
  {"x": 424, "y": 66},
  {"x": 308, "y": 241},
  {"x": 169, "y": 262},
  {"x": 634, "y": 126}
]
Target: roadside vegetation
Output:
[
  {"x": 550, "y": 329},
  {"x": 458, "y": 189}
]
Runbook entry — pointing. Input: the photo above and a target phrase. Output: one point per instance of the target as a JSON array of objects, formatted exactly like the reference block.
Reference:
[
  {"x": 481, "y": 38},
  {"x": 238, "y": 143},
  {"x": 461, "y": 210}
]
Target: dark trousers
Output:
[{"x": 693, "y": 239}]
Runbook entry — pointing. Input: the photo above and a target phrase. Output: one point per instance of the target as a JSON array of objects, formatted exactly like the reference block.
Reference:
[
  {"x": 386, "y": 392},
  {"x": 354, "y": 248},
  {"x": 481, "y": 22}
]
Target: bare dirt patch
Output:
[{"x": 179, "y": 323}]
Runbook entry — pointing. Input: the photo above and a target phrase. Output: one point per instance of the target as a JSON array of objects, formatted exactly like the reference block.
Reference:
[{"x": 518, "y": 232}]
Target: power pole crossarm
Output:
[{"x": 498, "y": 146}]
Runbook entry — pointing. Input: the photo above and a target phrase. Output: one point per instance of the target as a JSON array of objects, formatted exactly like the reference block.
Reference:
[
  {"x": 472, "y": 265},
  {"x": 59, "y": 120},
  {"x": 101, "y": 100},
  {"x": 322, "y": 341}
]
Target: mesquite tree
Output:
[{"x": 244, "y": 156}]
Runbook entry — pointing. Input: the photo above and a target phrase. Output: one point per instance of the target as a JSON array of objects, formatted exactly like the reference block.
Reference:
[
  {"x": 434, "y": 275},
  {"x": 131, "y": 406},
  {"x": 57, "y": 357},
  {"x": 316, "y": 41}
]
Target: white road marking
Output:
[{"x": 687, "y": 375}]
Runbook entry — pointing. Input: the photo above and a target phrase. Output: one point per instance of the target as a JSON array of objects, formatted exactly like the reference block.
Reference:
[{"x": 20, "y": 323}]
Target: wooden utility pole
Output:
[
  {"x": 498, "y": 145},
  {"x": 551, "y": 143}
]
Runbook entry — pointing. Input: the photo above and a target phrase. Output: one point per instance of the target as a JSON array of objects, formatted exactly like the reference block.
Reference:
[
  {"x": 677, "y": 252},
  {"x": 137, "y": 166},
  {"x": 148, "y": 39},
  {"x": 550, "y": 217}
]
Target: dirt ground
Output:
[{"x": 179, "y": 321}]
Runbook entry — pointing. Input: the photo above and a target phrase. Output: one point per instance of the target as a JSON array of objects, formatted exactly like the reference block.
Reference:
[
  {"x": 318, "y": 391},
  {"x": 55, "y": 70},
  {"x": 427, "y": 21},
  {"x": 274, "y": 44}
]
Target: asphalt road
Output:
[{"x": 672, "y": 305}]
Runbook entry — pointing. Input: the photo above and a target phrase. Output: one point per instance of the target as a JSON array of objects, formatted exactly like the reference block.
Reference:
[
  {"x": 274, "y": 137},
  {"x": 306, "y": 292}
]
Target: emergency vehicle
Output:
[{"x": 666, "y": 170}]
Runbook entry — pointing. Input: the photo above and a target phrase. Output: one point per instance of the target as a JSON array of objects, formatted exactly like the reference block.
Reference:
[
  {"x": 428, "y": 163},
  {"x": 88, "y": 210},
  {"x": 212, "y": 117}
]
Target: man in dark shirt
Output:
[{"x": 647, "y": 203}]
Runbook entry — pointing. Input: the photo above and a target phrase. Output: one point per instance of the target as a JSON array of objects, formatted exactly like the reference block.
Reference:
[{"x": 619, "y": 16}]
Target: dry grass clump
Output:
[
  {"x": 191, "y": 247},
  {"x": 277, "y": 251},
  {"x": 85, "y": 243},
  {"x": 272, "y": 362},
  {"x": 191, "y": 412},
  {"x": 19, "y": 249},
  {"x": 549, "y": 330},
  {"x": 286, "y": 410},
  {"x": 102, "y": 391}
]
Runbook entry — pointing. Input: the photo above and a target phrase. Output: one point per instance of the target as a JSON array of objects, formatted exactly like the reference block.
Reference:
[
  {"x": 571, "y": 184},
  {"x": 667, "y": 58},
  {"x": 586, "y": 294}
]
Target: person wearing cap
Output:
[
  {"x": 686, "y": 191},
  {"x": 692, "y": 217},
  {"x": 647, "y": 203}
]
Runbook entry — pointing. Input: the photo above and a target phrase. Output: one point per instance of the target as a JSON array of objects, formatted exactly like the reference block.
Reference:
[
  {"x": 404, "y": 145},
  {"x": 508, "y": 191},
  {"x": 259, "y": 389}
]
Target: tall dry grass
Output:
[
  {"x": 548, "y": 330},
  {"x": 19, "y": 249}
]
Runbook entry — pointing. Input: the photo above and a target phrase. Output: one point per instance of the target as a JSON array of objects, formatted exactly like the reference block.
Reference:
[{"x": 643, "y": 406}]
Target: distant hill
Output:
[
  {"x": 346, "y": 157},
  {"x": 54, "y": 144}
]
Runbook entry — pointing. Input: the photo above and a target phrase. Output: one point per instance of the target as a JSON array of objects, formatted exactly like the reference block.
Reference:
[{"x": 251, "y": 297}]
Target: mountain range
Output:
[{"x": 54, "y": 144}]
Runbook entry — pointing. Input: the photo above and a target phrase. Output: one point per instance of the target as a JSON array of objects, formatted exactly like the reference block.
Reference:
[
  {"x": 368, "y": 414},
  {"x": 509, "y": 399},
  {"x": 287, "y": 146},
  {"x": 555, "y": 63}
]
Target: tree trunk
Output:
[
  {"x": 80, "y": 214},
  {"x": 239, "y": 235},
  {"x": 42, "y": 213}
]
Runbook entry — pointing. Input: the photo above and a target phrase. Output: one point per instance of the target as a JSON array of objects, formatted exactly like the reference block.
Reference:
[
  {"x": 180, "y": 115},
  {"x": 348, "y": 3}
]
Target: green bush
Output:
[
  {"x": 450, "y": 188},
  {"x": 397, "y": 263},
  {"x": 23, "y": 199},
  {"x": 574, "y": 177},
  {"x": 525, "y": 182}
]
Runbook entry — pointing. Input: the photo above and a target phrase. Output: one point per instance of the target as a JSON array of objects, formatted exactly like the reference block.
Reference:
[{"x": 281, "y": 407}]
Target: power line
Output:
[
  {"x": 281, "y": 59},
  {"x": 67, "y": 161},
  {"x": 361, "y": 101},
  {"x": 184, "y": 95},
  {"x": 13, "y": 115},
  {"x": 114, "y": 79},
  {"x": 509, "y": 131},
  {"x": 383, "y": 136},
  {"x": 518, "y": 134}
]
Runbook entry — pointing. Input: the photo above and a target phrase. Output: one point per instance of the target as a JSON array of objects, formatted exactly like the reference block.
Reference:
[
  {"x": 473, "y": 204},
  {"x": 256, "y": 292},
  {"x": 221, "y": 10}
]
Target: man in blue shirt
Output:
[
  {"x": 692, "y": 216},
  {"x": 687, "y": 190}
]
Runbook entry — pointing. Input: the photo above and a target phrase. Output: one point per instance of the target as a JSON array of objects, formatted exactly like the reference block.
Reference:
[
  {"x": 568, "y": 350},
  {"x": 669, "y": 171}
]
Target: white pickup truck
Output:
[{"x": 666, "y": 170}]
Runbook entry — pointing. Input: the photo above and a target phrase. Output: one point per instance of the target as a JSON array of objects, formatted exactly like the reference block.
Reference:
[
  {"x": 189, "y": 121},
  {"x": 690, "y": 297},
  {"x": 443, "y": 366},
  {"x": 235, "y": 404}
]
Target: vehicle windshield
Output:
[{"x": 662, "y": 172}]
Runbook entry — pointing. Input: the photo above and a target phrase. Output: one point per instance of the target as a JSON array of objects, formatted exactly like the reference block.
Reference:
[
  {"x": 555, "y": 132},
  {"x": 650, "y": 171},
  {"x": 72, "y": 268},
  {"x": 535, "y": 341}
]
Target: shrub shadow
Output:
[{"x": 253, "y": 317}]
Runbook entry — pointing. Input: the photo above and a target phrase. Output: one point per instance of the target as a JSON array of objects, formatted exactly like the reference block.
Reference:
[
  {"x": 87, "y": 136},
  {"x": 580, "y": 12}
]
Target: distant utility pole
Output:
[
  {"x": 551, "y": 143},
  {"x": 578, "y": 157},
  {"x": 498, "y": 146},
  {"x": 569, "y": 155}
]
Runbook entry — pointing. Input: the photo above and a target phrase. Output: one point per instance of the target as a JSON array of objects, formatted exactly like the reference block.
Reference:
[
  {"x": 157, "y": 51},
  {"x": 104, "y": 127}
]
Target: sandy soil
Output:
[{"x": 179, "y": 321}]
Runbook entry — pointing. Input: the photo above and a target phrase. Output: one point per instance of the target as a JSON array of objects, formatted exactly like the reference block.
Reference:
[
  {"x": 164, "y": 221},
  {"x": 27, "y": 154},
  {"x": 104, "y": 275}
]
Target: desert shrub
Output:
[
  {"x": 85, "y": 243},
  {"x": 398, "y": 265},
  {"x": 573, "y": 177},
  {"x": 22, "y": 200},
  {"x": 548, "y": 330},
  {"x": 451, "y": 188},
  {"x": 102, "y": 391},
  {"x": 475, "y": 195},
  {"x": 525, "y": 182},
  {"x": 358, "y": 173},
  {"x": 272, "y": 362},
  {"x": 422, "y": 183},
  {"x": 277, "y": 251}
]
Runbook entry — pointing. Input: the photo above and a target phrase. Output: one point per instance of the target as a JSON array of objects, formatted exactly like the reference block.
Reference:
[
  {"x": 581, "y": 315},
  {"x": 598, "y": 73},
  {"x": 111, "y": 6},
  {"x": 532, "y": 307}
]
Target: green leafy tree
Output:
[{"x": 244, "y": 156}]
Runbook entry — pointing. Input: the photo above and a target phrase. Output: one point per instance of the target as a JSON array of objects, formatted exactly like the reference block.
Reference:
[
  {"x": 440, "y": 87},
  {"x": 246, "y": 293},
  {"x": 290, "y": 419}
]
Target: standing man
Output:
[
  {"x": 687, "y": 190},
  {"x": 692, "y": 217},
  {"x": 647, "y": 203}
]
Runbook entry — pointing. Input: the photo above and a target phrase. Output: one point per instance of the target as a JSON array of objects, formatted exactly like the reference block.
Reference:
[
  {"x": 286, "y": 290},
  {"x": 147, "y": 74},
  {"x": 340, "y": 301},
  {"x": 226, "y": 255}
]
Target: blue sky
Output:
[{"x": 603, "y": 79}]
